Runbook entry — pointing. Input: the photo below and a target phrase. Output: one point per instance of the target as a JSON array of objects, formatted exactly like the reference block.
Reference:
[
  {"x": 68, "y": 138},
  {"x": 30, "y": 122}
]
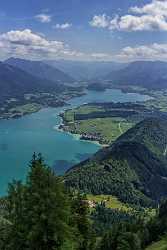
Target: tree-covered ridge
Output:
[
  {"x": 42, "y": 214},
  {"x": 133, "y": 168},
  {"x": 138, "y": 234},
  {"x": 150, "y": 132},
  {"x": 40, "y": 70},
  {"x": 147, "y": 74}
]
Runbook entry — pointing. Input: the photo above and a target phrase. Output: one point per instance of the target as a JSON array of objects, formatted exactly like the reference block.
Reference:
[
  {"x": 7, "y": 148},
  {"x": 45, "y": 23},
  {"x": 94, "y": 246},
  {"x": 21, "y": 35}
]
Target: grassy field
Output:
[
  {"x": 27, "y": 108},
  {"x": 106, "y": 129},
  {"x": 110, "y": 201},
  {"x": 159, "y": 102},
  {"x": 160, "y": 245},
  {"x": 85, "y": 109}
]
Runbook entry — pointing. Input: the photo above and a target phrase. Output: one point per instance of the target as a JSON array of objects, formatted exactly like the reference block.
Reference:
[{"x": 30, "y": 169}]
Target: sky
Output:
[{"x": 103, "y": 30}]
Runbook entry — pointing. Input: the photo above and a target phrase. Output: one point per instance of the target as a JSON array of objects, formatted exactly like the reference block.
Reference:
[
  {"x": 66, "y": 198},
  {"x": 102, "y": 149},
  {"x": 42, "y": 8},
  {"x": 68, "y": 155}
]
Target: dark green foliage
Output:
[
  {"x": 104, "y": 218},
  {"x": 121, "y": 237},
  {"x": 39, "y": 211},
  {"x": 137, "y": 161},
  {"x": 17, "y": 213},
  {"x": 80, "y": 210},
  {"x": 137, "y": 234},
  {"x": 5, "y": 227},
  {"x": 42, "y": 215},
  {"x": 105, "y": 114},
  {"x": 48, "y": 209}
]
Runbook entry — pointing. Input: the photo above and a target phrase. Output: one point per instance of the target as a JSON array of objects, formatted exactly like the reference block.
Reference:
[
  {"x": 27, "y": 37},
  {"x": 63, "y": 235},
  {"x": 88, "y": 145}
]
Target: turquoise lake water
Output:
[{"x": 19, "y": 138}]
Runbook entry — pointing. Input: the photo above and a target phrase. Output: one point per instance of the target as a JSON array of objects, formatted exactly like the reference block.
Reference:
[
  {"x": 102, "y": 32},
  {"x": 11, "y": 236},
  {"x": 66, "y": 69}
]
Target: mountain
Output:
[
  {"x": 40, "y": 70},
  {"x": 134, "y": 168},
  {"x": 81, "y": 70},
  {"x": 148, "y": 74},
  {"x": 15, "y": 82}
]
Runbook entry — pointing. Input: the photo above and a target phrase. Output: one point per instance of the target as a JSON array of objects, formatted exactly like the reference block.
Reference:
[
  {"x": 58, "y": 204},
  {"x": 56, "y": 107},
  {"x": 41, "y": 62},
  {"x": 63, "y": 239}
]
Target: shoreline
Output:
[
  {"x": 17, "y": 115},
  {"x": 8, "y": 116},
  {"x": 78, "y": 137}
]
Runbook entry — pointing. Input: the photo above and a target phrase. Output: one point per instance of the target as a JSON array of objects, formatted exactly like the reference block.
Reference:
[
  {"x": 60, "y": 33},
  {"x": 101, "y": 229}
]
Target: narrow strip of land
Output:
[
  {"x": 120, "y": 129},
  {"x": 165, "y": 151}
]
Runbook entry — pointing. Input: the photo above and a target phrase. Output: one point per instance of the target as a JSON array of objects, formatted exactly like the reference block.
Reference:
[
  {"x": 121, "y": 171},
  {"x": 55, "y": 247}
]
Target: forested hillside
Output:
[
  {"x": 40, "y": 70},
  {"x": 133, "y": 168},
  {"x": 15, "y": 82},
  {"x": 42, "y": 214}
]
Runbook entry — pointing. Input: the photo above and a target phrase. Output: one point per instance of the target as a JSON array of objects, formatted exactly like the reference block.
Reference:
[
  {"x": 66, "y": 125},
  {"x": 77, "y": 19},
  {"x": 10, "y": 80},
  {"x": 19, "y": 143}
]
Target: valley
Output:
[
  {"x": 38, "y": 132},
  {"x": 106, "y": 142},
  {"x": 105, "y": 122},
  {"x": 83, "y": 125}
]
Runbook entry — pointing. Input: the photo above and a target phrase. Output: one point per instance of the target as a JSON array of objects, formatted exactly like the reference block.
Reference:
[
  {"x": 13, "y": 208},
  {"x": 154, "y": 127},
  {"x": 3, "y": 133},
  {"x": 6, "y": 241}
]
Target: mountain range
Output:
[
  {"x": 15, "y": 82},
  {"x": 85, "y": 70},
  {"x": 134, "y": 168},
  {"x": 147, "y": 74},
  {"x": 19, "y": 76},
  {"x": 40, "y": 70}
]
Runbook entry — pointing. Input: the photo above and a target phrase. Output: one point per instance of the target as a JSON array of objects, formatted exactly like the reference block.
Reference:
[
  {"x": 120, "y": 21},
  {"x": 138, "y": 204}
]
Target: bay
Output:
[{"x": 37, "y": 132}]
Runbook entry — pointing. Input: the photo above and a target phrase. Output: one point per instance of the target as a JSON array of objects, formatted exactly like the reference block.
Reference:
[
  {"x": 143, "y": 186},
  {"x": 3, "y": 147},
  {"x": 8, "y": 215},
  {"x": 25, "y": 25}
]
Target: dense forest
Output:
[
  {"x": 42, "y": 214},
  {"x": 133, "y": 168}
]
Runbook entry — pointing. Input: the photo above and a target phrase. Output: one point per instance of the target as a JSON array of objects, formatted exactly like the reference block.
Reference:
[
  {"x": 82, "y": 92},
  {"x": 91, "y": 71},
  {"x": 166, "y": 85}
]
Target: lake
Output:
[{"x": 19, "y": 138}]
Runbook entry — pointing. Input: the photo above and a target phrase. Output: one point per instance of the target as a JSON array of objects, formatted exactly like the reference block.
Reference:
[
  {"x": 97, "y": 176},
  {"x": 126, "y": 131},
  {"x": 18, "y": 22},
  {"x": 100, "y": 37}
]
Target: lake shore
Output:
[
  {"x": 17, "y": 111},
  {"x": 79, "y": 136},
  {"x": 35, "y": 133}
]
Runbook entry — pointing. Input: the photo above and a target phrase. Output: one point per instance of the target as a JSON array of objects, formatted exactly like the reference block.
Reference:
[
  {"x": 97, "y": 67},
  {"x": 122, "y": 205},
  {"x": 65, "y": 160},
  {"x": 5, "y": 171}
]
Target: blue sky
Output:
[{"x": 117, "y": 30}]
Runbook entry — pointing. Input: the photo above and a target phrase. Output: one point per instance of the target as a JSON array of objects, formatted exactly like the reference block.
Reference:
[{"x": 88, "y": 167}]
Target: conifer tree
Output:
[
  {"x": 47, "y": 207},
  {"x": 39, "y": 211}
]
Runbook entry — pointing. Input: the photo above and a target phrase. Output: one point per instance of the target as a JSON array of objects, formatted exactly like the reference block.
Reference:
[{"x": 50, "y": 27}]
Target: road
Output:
[{"x": 121, "y": 131}]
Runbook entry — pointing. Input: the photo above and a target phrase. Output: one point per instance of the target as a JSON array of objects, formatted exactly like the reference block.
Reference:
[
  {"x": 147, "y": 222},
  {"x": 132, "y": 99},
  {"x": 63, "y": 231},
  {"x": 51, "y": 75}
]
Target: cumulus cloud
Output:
[
  {"x": 156, "y": 7},
  {"x": 100, "y": 21},
  {"x": 62, "y": 26},
  {"x": 43, "y": 18},
  {"x": 152, "y": 16},
  {"x": 25, "y": 43},
  {"x": 153, "y": 51}
]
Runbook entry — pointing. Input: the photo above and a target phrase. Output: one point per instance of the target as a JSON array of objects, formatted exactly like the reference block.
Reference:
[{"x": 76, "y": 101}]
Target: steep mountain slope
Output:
[
  {"x": 40, "y": 70},
  {"x": 134, "y": 168},
  {"x": 86, "y": 70},
  {"x": 151, "y": 75},
  {"x": 15, "y": 82},
  {"x": 159, "y": 245}
]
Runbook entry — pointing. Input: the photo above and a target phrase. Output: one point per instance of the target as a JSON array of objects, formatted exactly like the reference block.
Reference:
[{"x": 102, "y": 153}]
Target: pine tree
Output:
[
  {"x": 16, "y": 216},
  {"x": 48, "y": 208},
  {"x": 81, "y": 218},
  {"x": 39, "y": 211}
]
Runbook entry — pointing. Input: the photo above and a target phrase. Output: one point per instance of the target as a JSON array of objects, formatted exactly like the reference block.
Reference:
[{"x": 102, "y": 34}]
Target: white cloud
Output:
[
  {"x": 145, "y": 52},
  {"x": 100, "y": 21},
  {"x": 43, "y": 18},
  {"x": 156, "y": 7},
  {"x": 25, "y": 43},
  {"x": 152, "y": 16},
  {"x": 100, "y": 56},
  {"x": 145, "y": 22},
  {"x": 30, "y": 45},
  {"x": 62, "y": 26}
]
